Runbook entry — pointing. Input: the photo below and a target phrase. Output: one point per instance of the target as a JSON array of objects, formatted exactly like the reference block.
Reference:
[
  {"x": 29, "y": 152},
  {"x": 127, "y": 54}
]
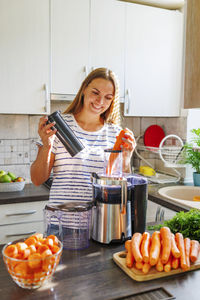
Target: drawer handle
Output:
[
  {"x": 19, "y": 234},
  {"x": 28, "y": 212}
]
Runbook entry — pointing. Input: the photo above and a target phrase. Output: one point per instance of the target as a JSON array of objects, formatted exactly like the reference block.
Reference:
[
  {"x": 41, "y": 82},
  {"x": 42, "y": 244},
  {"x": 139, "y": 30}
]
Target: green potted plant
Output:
[{"x": 191, "y": 155}]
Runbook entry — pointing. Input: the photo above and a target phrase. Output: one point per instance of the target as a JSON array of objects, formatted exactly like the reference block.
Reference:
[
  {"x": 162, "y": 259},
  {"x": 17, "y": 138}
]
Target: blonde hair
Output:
[{"x": 112, "y": 114}]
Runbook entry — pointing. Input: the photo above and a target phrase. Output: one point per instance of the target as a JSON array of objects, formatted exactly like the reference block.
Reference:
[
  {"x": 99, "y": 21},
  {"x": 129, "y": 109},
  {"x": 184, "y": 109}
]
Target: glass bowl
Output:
[{"x": 32, "y": 273}]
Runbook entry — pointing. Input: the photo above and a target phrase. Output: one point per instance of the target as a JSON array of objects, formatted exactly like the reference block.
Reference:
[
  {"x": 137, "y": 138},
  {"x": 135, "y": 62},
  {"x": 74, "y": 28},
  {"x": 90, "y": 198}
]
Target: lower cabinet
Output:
[{"x": 21, "y": 220}]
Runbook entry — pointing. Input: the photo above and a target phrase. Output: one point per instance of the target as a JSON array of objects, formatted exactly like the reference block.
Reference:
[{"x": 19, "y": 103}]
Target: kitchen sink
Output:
[{"x": 183, "y": 195}]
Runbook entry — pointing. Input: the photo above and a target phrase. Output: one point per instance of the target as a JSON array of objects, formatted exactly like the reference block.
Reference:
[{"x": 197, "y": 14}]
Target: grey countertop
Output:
[
  {"x": 91, "y": 274},
  {"x": 39, "y": 193},
  {"x": 30, "y": 193}
]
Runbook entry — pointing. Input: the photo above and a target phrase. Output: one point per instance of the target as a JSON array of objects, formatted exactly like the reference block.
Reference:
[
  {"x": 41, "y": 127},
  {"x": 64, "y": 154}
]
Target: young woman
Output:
[{"x": 95, "y": 119}]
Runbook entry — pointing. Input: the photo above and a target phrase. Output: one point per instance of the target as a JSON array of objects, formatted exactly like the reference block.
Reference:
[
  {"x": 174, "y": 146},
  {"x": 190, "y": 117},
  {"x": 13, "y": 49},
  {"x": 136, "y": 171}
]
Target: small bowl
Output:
[
  {"x": 12, "y": 186},
  {"x": 28, "y": 277}
]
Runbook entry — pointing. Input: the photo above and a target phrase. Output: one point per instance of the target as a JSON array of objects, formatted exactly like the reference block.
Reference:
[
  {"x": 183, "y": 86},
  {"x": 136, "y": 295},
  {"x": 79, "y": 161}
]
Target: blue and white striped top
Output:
[{"x": 71, "y": 175}]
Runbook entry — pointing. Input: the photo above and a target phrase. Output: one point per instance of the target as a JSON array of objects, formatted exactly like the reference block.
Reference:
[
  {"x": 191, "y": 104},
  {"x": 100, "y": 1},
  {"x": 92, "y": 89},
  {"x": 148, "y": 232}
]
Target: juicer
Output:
[{"x": 119, "y": 207}]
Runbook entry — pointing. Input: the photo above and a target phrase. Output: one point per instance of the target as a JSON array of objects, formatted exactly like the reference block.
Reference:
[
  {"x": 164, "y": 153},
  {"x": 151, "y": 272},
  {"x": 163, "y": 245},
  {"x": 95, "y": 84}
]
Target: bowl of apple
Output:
[{"x": 9, "y": 182}]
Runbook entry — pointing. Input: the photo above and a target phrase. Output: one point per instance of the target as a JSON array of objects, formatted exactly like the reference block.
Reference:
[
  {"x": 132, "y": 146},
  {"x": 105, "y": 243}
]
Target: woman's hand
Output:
[
  {"x": 45, "y": 132},
  {"x": 128, "y": 146}
]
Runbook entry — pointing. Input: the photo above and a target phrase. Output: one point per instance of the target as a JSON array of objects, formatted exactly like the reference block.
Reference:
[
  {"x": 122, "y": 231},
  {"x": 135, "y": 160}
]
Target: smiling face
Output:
[{"x": 98, "y": 96}]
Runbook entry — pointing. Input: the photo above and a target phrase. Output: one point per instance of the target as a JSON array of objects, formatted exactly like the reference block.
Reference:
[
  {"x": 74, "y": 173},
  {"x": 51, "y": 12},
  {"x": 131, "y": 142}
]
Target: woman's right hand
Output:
[{"x": 45, "y": 132}]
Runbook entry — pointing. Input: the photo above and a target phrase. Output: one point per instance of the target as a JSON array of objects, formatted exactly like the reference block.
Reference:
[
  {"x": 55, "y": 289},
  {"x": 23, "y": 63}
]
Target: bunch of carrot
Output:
[
  {"x": 34, "y": 258},
  {"x": 163, "y": 250}
]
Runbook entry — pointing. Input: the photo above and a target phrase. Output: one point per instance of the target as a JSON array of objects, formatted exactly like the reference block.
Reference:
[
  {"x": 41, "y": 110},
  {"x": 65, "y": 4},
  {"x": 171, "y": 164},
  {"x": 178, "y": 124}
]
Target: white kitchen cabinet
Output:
[
  {"x": 153, "y": 61},
  {"x": 21, "y": 220},
  {"x": 70, "y": 21},
  {"x": 107, "y": 37},
  {"x": 24, "y": 56}
]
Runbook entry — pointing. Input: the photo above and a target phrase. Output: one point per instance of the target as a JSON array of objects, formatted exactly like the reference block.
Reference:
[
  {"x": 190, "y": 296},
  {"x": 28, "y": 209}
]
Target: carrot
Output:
[
  {"x": 49, "y": 242},
  {"x": 146, "y": 267},
  {"x": 129, "y": 255},
  {"x": 54, "y": 238},
  {"x": 113, "y": 156},
  {"x": 30, "y": 241},
  {"x": 139, "y": 265},
  {"x": 34, "y": 260},
  {"x": 175, "y": 262},
  {"x": 32, "y": 249},
  {"x": 42, "y": 248},
  {"x": 11, "y": 251},
  {"x": 159, "y": 265},
  {"x": 165, "y": 235},
  {"x": 21, "y": 247},
  {"x": 187, "y": 251},
  {"x": 155, "y": 248},
  {"x": 136, "y": 241},
  {"x": 180, "y": 244},
  {"x": 38, "y": 236},
  {"x": 168, "y": 265},
  {"x": 145, "y": 245},
  {"x": 175, "y": 251},
  {"x": 194, "y": 250}
]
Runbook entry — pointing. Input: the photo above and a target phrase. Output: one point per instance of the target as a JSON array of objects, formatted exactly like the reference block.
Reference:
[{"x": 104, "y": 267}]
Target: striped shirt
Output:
[{"x": 71, "y": 175}]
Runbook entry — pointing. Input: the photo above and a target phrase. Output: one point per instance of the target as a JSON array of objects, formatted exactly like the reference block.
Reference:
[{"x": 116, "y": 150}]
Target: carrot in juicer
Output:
[
  {"x": 194, "y": 250},
  {"x": 113, "y": 156}
]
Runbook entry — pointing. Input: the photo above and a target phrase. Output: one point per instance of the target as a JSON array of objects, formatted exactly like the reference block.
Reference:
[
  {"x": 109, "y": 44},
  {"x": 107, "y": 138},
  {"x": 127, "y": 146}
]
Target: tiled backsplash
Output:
[
  {"x": 16, "y": 155},
  {"x": 18, "y": 136}
]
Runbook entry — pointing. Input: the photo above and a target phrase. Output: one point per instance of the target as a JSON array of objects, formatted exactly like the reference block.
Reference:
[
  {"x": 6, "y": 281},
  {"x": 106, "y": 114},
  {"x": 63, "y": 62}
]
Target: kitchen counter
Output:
[
  {"x": 92, "y": 274},
  {"x": 30, "y": 193},
  {"x": 154, "y": 196},
  {"x": 39, "y": 193}
]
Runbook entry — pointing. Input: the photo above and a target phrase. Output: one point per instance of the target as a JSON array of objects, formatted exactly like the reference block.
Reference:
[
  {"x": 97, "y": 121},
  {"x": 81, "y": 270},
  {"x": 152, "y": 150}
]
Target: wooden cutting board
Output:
[{"x": 120, "y": 259}]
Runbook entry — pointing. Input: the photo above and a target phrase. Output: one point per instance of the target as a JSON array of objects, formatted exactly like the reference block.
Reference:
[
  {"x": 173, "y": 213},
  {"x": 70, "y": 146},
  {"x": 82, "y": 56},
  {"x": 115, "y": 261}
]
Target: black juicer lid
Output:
[{"x": 73, "y": 206}]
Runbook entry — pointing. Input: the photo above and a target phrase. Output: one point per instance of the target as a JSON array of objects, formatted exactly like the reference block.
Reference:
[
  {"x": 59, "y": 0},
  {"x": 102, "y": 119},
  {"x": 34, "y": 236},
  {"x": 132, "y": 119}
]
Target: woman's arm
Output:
[{"x": 41, "y": 167}]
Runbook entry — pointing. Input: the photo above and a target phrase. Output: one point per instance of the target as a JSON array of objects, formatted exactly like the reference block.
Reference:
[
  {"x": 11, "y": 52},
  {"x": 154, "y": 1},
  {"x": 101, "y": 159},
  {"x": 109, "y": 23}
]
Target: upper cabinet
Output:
[
  {"x": 50, "y": 46},
  {"x": 192, "y": 56},
  {"x": 153, "y": 61},
  {"x": 24, "y": 56},
  {"x": 70, "y": 25},
  {"x": 107, "y": 37}
]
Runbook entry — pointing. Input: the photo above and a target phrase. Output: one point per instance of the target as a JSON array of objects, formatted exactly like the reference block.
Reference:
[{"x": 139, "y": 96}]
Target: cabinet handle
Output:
[
  {"x": 28, "y": 212},
  {"x": 19, "y": 234},
  {"x": 86, "y": 71},
  {"x": 127, "y": 100},
  {"x": 46, "y": 97}
]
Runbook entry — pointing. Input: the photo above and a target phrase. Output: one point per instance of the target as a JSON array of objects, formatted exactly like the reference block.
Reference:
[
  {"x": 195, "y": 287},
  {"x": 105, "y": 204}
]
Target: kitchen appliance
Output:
[
  {"x": 70, "y": 222},
  {"x": 65, "y": 134},
  {"x": 119, "y": 207}
]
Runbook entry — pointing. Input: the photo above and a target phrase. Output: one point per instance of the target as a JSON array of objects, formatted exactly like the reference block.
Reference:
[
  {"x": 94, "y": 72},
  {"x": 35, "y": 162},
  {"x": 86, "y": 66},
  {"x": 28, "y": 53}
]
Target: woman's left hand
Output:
[{"x": 128, "y": 146}]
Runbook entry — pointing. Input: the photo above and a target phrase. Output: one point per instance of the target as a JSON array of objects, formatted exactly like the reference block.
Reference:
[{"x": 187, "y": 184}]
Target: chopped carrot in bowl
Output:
[{"x": 32, "y": 261}]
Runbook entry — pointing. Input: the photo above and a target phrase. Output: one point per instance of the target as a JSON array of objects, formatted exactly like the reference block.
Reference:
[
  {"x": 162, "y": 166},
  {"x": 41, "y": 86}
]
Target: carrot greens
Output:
[{"x": 187, "y": 223}]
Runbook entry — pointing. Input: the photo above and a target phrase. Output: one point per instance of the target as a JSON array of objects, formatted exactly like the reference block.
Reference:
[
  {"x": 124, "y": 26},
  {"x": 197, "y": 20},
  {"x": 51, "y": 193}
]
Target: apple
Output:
[
  {"x": 12, "y": 175},
  {"x": 5, "y": 178},
  {"x": 19, "y": 179},
  {"x": 2, "y": 172}
]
